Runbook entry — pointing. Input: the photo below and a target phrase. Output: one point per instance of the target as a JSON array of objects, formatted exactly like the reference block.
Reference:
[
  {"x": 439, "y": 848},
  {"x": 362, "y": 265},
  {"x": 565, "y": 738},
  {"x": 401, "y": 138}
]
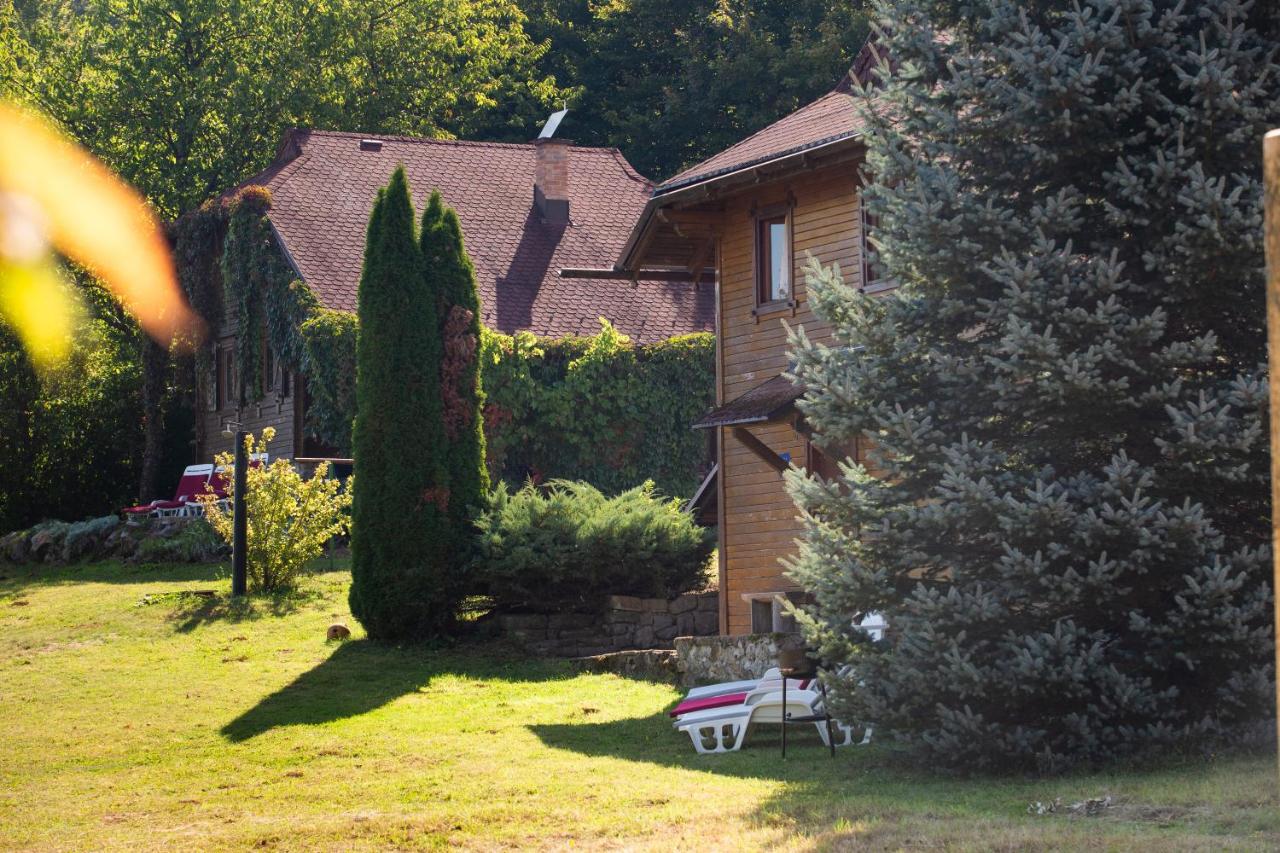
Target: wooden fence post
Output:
[{"x": 1271, "y": 173}]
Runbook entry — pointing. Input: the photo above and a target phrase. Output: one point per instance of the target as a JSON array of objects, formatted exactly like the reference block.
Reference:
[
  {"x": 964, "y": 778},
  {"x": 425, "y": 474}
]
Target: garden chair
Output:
[
  {"x": 193, "y": 481},
  {"x": 220, "y": 486},
  {"x": 724, "y": 729}
]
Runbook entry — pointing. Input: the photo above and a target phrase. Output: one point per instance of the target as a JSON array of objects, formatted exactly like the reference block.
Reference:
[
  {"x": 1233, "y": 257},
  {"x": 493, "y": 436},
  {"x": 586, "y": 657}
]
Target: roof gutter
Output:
[{"x": 666, "y": 194}]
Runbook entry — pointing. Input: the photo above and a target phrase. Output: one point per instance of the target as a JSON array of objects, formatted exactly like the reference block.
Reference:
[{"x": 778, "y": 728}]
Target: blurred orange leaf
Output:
[{"x": 95, "y": 219}]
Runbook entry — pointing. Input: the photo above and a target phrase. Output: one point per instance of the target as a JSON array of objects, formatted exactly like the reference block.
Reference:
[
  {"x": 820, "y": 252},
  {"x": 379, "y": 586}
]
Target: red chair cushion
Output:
[{"x": 724, "y": 701}]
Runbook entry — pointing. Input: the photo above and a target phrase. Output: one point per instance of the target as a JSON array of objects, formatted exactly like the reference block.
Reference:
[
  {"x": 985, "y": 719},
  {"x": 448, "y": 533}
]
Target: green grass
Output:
[{"x": 187, "y": 722}]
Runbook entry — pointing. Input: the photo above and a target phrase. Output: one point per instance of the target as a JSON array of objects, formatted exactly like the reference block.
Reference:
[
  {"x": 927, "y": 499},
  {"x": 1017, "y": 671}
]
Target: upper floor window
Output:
[
  {"x": 773, "y": 256},
  {"x": 268, "y": 368},
  {"x": 873, "y": 272},
  {"x": 226, "y": 377}
]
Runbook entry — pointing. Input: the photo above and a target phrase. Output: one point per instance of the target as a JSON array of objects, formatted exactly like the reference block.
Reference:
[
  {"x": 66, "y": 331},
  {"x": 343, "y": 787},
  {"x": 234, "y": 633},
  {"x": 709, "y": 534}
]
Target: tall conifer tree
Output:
[
  {"x": 399, "y": 565},
  {"x": 1071, "y": 544},
  {"x": 451, "y": 276}
]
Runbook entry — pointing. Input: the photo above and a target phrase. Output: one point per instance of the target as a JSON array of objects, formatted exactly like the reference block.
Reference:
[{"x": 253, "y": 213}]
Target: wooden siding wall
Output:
[
  {"x": 273, "y": 410},
  {"x": 759, "y": 520}
]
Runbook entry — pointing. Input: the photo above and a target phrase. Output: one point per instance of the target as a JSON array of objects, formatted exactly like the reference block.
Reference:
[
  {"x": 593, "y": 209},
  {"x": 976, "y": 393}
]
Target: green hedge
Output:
[
  {"x": 599, "y": 409},
  {"x": 567, "y": 546}
]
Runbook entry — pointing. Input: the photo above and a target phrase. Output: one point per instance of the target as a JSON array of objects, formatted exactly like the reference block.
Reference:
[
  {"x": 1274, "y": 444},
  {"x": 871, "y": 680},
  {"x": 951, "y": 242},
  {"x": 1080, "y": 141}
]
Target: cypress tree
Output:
[
  {"x": 450, "y": 274},
  {"x": 399, "y": 562},
  {"x": 1067, "y": 392}
]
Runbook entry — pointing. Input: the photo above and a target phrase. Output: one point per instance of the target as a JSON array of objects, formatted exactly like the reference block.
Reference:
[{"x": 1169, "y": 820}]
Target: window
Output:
[
  {"x": 226, "y": 377},
  {"x": 769, "y": 611},
  {"x": 827, "y": 464},
  {"x": 773, "y": 257},
  {"x": 873, "y": 272},
  {"x": 268, "y": 368}
]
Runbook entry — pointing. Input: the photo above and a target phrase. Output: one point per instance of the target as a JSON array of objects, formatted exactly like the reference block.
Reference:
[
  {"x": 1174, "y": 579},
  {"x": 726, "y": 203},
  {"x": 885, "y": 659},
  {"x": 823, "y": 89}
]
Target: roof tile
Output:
[{"x": 321, "y": 200}]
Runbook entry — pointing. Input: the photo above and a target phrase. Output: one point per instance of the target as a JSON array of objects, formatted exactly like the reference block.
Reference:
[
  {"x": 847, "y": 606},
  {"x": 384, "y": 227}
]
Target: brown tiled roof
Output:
[
  {"x": 762, "y": 403},
  {"x": 829, "y": 119},
  {"x": 323, "y": 185}
]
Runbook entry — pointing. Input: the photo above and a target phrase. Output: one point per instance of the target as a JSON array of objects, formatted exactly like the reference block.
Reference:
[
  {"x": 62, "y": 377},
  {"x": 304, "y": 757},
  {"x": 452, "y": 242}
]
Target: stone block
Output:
[
  {"x": 709, "y": 602},
  {"x": 683, "y": 603},
  {"x": 663, "y": 620},
  {"x": 624, "y": 602},
  {"x": 563, "y": 621},
  {"x": 666, "y": 635},
  {"x": 522, "y": 621},
  {"x": 644, "y": 637},
  {"x": 654, "y": 605},
  {"x": 686, "y": 624},
  {"x": 706, "y": 623},
  {"x": 622, "y": 617}
]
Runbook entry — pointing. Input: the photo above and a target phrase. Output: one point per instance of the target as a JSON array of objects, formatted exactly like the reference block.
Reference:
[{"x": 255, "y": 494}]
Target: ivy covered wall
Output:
[{"x": 599, "y": 408}]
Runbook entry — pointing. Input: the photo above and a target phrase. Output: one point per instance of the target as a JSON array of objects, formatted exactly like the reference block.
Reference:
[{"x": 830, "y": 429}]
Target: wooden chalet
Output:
[
  {"x": 526, "y": 211},
  {"x": 752, "y": 214}
]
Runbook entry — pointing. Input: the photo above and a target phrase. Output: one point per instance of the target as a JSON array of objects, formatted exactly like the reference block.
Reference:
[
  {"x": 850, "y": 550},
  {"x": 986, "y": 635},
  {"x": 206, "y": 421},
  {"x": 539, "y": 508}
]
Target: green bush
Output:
[
  {"x": 289, "y": 519},
  {"x": 194, "y": 542},
  {"x": 601, "y": 409},
  {"x": 566, "y": 546}
]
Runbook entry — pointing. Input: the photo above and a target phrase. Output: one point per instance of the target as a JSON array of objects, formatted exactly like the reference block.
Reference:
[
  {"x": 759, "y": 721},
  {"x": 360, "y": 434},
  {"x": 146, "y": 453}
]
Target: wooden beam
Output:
[
  {"x": 700, "y": 256},
  {"x": 1271, "y": 173},
  {"x": 637, "y": 275},
  {"x": 709, "y": 218},
  {"x": 759, "y": 448}
]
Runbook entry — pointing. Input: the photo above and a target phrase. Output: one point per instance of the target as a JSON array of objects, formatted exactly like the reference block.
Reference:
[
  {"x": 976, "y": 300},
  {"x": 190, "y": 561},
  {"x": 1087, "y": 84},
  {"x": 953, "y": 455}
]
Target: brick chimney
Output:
[{"x": 551, "y": 179}]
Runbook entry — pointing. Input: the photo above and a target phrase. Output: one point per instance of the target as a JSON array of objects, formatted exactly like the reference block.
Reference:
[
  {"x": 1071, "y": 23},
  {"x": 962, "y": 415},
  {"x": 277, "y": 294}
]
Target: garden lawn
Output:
[{"x": 135, "y": 718}]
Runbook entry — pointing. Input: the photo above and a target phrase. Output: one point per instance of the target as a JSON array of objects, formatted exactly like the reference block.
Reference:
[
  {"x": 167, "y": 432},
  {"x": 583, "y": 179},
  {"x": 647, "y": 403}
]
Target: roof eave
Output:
[{"x": 667, "y": 194}]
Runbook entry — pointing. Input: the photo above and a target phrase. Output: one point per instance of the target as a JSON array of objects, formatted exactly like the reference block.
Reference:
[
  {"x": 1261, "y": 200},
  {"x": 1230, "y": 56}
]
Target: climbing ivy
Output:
[
  {"x": 600, "y": 408},
  {"x": 229, "y": 258}
]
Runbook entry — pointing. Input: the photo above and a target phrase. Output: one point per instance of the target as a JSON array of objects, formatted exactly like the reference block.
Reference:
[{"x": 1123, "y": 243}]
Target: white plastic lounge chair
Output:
[{"x": 718, "y": 730}]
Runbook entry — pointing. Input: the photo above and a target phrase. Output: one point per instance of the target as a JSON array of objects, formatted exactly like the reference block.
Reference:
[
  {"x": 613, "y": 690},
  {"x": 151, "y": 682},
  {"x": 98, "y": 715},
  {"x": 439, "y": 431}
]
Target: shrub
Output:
[
  {"x": 401, "y": 565},
  {"x": 289, "y": 518},
  {"x": 192, "y": 542},
  {"x": 566, "y": 546}
]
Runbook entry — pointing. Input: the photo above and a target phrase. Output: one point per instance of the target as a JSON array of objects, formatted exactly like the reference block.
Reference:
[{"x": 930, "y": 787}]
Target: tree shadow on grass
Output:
[
  {"x": 112, "y": 572},
  {"x": 195, "y": 609},
  {"x": 361, "y": 676},
  {"x": 652, "y": 740}
]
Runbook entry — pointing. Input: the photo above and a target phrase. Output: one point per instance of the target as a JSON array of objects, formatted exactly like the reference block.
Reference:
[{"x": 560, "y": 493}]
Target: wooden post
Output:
[{"x": 1271, "y": 173}]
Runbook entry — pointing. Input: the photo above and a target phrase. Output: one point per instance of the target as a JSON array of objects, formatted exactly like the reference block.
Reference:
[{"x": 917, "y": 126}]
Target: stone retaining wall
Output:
[
  {"x": 625, "y": 623},
  {"x": 702, "y": 660}
]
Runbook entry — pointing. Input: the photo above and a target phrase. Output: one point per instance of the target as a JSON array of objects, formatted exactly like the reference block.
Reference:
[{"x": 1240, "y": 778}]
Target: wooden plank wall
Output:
[
  {"x": 273, "y": 410},
  {"x": 759, "y": 524}
]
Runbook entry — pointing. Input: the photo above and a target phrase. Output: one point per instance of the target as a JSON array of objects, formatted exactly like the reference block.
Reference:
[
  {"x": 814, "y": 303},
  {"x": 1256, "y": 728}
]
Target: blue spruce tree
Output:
[{"x": 1067, "y": 393}]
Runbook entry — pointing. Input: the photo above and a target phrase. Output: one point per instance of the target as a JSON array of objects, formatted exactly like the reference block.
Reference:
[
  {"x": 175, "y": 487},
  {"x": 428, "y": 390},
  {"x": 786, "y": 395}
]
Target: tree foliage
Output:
[
  {"x": 1067, "y": 395},
  {"x": 63, "y": 453},
  {"x": 450, "y": 275},
  {"x": 185, "y": 98},
  {"x": 671, "y": 82},
  {"x": 400, "y": 542}
]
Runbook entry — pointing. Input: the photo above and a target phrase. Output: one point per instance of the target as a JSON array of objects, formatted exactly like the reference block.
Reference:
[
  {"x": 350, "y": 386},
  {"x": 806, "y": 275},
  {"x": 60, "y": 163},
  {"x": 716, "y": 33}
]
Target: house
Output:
[
  {"x": 753, "y": 214},
  {"x": 526, "y": 211}
]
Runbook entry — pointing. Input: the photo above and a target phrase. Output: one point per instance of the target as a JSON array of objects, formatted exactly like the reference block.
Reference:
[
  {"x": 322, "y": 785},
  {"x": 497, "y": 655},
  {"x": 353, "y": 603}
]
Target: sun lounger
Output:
[
  {"x": 725, "y": 729},
  {"x": 193, "y": 482}
]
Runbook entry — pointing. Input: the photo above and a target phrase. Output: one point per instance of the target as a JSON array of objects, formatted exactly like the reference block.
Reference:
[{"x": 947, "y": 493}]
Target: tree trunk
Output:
[{"x": 155, "y": 363}]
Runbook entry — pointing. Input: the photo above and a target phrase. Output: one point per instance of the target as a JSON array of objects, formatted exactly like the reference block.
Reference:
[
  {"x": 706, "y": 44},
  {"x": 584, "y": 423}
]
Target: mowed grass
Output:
[{"x": 137, "y": 719}]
